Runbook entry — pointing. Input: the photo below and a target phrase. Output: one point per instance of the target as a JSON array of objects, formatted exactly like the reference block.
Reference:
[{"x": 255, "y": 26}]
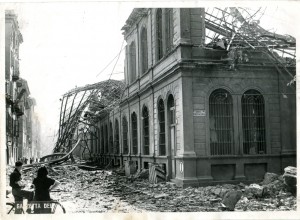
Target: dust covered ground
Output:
[{"x": 102, "y": 191}]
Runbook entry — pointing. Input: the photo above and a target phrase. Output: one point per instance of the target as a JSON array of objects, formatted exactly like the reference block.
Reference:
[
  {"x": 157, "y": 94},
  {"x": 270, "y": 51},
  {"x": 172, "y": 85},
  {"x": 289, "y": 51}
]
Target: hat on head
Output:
[{"x": 18, "y": 164}]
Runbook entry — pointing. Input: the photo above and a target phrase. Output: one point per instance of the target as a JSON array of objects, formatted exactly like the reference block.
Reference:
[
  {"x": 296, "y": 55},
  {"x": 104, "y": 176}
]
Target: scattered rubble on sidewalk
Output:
[
  {"x": 230, "y": 199},
  {"x": 108, "y": 191},
  {"x": 290, "y": 179}
]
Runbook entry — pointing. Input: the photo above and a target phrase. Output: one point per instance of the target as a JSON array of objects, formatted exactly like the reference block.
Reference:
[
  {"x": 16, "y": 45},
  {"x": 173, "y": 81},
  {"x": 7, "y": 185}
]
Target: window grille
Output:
[
  {"x": 134, "y": 133},
  {"x": 159, "y": 40},
  {"x": 125, "y": 138},
  {"x": 91, "y": 141},
  {"x": 111, "y": 143},
  {"x": 169, "y": 29},
  {"x": 253, "y": 120},
  {"x": 102, "y": 140},
  {"x": 106, "y": 139},
  {"x": 144, "y": 48},
  {"x": 98, "y": 142},
  {"x": 94, "y": 142},
  {"x": 162, "y": 133},
  {"x": 221, "y": 123},
  {"x": 146, "y": 130},
  {"x": 132, "y": 62},
  {"x": 117, "y": 138}
]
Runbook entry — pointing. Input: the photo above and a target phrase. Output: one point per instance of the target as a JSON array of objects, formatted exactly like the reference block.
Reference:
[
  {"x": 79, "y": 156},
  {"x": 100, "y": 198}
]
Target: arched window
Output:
[
  {"x": 102, "y": 140},
  {"x": 159, "y": 36},
  {"x": 221, "y": 123},
  {"x": 144, "y": 50},
  {"x": 106, "y": 139},
  {"x": 162, "y": 129},
  {"x": 134, "y": 133},
  {"x": 125, "y": 135},
  {"x": 145, "y": 114},
  {"x": 117, "y": 137},
  {"x": 111, "y": 143},
  {"x": 171, "y": 109},
  {"x": 253, "y": 120},
  {"x": 169, "y": 29},
  {"x": 98, "y": 141},
  {"x": 93, "y": 141},
  {"x": 132, "y": 60}
]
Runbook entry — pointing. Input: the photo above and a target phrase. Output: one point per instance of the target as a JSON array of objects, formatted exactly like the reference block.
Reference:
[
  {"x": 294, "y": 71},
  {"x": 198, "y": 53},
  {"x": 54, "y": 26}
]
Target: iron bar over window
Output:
[
  {"x": 117, "y": 138},
  {"x": 253, "y": 119},
  {"x": 144, "y": 50},
  {"x": 146, "y": 130},
  {"x": 102, "y": 140},
  {"x": 125, "y": 137},
  {"x": 221, "y": 123},
  {"x": 159, "y": 40},
  {"x": 162, "y": 132},
  {"x": 106, "y": 139},
  {"x": 134, "y": 133},
  {"x": 111, "y": 143}
]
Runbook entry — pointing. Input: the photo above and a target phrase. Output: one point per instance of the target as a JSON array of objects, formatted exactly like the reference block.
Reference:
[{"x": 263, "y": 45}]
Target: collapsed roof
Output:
[
  {"x": 229, "y": 29},
  {"x": 82, "y": 107},
  {"x": 238, "y": 28}
]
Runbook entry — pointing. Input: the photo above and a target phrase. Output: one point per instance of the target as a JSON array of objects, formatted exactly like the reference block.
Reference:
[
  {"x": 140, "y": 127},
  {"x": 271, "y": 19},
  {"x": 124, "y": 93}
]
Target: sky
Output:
[{"x": 69, "y": 44}]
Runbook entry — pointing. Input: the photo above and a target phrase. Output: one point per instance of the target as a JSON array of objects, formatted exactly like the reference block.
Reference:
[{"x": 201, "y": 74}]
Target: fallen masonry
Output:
[{"x": 110, "y": 191}]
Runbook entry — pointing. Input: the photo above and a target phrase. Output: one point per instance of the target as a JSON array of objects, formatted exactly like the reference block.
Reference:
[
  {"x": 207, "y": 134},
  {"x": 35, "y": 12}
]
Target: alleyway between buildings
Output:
[{"x": 101, "y": 191}]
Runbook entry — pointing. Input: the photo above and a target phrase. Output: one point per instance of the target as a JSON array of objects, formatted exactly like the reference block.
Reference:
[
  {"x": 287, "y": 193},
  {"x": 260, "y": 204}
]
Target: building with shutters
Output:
[
  {"x": 19, "y": 105},
  {"x": 188, "y": 107}
]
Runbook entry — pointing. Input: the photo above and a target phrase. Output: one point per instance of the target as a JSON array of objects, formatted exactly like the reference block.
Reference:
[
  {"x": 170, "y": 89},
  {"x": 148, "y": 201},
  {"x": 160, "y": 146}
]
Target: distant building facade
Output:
[
  {"x": 19, "y": 106},
  {"x": 184, "y": 109}
]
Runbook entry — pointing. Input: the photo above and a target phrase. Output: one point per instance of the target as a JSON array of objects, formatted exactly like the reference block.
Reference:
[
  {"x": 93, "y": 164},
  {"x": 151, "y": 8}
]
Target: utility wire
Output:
[{"x": 117, "y": 56}]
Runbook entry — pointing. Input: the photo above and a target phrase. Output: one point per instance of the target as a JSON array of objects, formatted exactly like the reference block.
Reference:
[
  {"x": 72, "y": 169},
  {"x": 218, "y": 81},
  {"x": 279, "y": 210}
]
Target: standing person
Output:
[{"x": 17, "y": 187}]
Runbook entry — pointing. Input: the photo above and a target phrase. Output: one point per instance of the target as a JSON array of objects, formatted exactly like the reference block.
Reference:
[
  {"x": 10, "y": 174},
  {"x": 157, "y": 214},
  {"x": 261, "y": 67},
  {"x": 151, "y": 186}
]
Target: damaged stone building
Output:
[{"x": 204, "y": 97}]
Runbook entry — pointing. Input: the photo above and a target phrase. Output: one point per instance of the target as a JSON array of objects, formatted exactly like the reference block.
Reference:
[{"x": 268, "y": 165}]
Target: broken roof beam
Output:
[
  {"x": 222, "y": 22},
  {"x": 217, "y": 29}
]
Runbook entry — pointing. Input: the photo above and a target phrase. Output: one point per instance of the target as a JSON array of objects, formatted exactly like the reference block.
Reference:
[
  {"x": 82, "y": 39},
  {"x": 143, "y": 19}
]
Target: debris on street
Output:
[
  {"x": 290, "y": 179},
  {"x": 86, "y": 191}
]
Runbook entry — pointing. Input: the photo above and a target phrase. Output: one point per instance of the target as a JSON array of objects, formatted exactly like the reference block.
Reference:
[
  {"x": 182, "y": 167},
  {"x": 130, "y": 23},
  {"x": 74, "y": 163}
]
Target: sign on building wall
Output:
[
  {"x": 181, "y": 167},
  {"x": 199, "y": 113}
]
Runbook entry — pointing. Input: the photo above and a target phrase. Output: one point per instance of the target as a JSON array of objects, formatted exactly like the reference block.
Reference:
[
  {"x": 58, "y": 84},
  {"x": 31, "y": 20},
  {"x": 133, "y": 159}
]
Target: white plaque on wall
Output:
[
  {"x": 199, "y": 113},
  {"x": 181, "y": 167}
]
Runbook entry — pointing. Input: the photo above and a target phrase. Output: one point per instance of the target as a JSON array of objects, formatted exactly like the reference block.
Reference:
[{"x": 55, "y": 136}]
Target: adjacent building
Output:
[{"x": 19, "y": 105}]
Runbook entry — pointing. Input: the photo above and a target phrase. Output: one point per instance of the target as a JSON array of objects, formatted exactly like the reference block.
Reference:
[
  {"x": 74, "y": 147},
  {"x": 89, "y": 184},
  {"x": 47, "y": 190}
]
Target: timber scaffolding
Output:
[{"x": 231, "y": 30}]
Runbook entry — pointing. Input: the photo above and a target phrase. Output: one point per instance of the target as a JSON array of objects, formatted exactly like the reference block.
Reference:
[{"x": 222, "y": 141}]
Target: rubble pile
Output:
[
  {"x": 290, "y": 179},
  {"x": 108, "y": 191}
]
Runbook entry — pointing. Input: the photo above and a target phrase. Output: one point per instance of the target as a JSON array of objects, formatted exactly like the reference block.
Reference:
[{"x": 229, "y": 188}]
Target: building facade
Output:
[
  {"x": 13, "y": 39},
  {"x": 19, "y": 105},
  {"x": 187, "y": 110}
]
